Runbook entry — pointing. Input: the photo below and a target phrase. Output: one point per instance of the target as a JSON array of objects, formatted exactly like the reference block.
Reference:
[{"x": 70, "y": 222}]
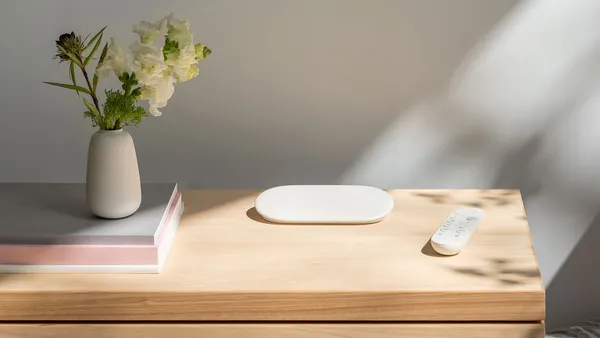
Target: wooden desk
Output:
[{"x": 230, "y": 274}]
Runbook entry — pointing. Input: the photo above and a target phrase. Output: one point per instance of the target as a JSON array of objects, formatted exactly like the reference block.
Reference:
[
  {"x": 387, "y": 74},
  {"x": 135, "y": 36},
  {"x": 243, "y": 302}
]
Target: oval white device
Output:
[{"x": 324, "y": 204}]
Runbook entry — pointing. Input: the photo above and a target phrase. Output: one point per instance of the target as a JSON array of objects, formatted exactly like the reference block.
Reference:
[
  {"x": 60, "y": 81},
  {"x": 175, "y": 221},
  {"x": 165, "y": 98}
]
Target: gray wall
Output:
[{"x": 399, "y": 94}]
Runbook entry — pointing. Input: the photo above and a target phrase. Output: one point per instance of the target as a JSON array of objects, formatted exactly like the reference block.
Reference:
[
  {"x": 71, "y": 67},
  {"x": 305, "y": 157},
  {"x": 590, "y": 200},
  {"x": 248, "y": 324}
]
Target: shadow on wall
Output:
[
  {"x": 522, "y": 112},
  {"x": 581, "y": 270}
]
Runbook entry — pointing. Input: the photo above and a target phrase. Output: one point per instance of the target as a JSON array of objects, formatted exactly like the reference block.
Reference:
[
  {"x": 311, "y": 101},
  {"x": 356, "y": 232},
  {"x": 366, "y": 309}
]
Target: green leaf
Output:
[
  {"x": 72, "y": 75},
  {"x": 95, "y": 82},
  {"x": 91, "y": 107},
  {"x": 93, "y": 114},
  {"x": 133, "y": 78},
  {"x": 87, "y": 36},
  {"x": 170, "y": 47},
  {"x": 136, "y": 93},
  {"x": 207, "y": 52},
  {"x": 102, "y": 57},
  {"x": 94, "y": 38},
  {"x": 68, "y": 86},
  {"x": 89, "y": 57},
  {"x": 71, "y": 56},
  {"x": 124, "y": 77},
  {"x": 201, "y": 51}
]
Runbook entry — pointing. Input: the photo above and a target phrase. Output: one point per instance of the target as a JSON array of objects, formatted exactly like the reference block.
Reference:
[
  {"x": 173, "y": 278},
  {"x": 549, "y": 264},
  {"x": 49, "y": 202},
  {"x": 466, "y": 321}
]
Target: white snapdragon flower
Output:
[
  {"x": 153, "y": 75},
  {"x": 148, "y": 63},
  {"x": 115, "y": 61},
  {"x": 157, "y": 69},
  {"x": 182, "y": 62},
  {"x": 149, "y": 32},
  {"x": 192, "y": 72},
  {"x": 179, "y": 30},
  {"x": 159, "y": 94}
]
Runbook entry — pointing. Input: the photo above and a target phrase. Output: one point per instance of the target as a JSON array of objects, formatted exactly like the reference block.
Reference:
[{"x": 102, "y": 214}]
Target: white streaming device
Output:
[
  {"x": 455, "y": 232},
  {"x": 324, "y": 204}
]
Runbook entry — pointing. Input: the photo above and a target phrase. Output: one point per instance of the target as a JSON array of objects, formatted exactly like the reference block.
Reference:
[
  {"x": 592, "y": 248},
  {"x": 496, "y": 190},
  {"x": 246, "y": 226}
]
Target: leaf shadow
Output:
[
  {"x": 437, "y": 198},
  {"x": 500, "y": 271}
]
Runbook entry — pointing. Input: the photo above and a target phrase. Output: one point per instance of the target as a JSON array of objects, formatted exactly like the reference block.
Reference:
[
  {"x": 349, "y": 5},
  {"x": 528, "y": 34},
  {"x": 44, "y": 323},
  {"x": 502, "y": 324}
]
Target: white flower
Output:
[
  {"x": 179, "y": 30},
  {"x": 153, "y": 74},
  {"x": 157, "y": 69},
  {"x": 115, "y": 60},
  {"x": 183, "y": 58},
  {"x": 149, "y": 32},
  {"x": 192, "y": 72},
  {"x": 181, "y": 62},
  {"x": 147, "y": 63},
  {"x": 158, "y": 94}
]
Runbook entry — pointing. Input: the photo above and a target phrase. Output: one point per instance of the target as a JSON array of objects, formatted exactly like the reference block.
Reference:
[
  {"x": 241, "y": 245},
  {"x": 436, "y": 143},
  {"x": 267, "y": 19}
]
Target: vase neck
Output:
[{"x": 111, "y": 131}]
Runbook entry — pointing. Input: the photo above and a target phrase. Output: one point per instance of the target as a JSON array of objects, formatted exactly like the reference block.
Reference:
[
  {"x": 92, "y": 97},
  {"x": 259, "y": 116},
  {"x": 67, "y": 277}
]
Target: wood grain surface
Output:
[
  {"x": 520, "y": 330},
  {"x": 229, "y": 264}
]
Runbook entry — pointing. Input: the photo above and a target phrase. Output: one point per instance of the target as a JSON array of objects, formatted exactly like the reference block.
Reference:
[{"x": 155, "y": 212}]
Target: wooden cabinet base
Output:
[{"x": 433, "y": 330}]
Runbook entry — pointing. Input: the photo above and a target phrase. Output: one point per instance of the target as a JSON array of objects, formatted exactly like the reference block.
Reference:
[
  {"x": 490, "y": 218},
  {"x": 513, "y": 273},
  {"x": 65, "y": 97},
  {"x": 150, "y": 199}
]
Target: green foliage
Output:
[
  {"x": 102, "y": 57},
  {"x": 170, "y": 47},
  {"x": 65, "y": 56},
  {"x": 201, "y": 51},
  {"x": 98, "y": 39},
  {"x": 93, "y": 114},
  {"x": 68, "y": 86},
  {"x": 121, "y": 110}
]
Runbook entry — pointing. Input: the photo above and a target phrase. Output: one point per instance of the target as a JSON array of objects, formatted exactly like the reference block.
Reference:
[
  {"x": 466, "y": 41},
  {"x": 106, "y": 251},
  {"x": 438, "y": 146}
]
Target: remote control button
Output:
[{"x": 471, "y": 218}]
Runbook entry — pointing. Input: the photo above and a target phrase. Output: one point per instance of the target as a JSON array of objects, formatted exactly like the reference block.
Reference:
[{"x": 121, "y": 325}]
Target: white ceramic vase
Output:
[{"x": 113, "y": 187}]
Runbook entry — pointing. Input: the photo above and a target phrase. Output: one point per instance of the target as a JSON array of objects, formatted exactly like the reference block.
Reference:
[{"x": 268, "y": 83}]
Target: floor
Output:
[{"x": 589, "y": 329}]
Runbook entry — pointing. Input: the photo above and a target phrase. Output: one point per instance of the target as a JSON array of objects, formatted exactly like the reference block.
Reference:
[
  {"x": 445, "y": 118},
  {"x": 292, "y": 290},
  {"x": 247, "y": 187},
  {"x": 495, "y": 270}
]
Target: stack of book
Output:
[{"x": 48, "y": 228}]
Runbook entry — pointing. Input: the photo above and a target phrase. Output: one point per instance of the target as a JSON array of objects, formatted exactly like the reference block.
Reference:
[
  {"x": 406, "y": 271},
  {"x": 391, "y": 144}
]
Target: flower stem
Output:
[
  {"x": 89, "y": 84},
  {"x": 87, "y": 79}
]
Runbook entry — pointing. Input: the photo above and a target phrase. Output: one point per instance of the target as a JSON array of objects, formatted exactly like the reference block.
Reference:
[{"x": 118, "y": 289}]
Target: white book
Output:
[{"x": 48, "y": 228}]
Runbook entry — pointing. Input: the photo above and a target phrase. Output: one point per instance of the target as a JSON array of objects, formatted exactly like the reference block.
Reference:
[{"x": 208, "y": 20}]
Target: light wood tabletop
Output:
[{"x": 227, "y": 263}]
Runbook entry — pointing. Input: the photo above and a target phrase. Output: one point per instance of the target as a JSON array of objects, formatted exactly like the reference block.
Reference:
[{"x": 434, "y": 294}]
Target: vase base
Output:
[{"x": 114, "y": 214}]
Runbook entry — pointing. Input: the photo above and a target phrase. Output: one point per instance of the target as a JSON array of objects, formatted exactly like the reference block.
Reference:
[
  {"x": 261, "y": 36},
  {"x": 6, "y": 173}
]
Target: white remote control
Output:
[{"x": 456, "y": 231}]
